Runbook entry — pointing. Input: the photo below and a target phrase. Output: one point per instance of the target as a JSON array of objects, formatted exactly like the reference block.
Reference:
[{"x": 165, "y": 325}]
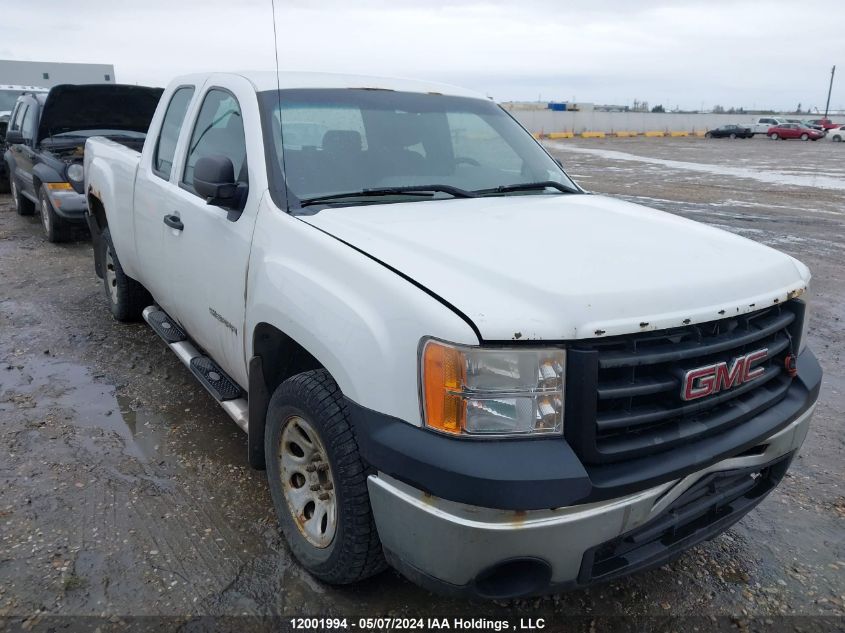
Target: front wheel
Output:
[
  {"x": 708, "y": 135},
  {"x": 55, "y": 229},
  {"x": 318, "y": 480},
  {"x": 127, "y": 298},
  {"x": 836, "y": 139},
  {"x": 805, "y": 137},
  {"x": 733, "y": 136}
]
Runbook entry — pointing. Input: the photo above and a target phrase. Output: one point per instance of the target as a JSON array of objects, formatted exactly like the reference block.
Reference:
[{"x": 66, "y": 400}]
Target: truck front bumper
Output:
[{"x": 497, "y": 553}]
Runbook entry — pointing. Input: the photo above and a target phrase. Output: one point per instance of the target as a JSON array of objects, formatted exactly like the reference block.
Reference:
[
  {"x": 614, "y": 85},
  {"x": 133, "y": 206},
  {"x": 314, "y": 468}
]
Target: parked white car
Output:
[
  {"x": 837, "y": 134},
  {"x": 761, "y": 125},
  {"x": 447, "y": 355}
]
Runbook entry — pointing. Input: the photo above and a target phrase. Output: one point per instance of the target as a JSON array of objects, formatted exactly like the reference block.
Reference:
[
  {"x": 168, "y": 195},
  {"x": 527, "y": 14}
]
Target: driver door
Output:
[{"x": 207, "y": 247}]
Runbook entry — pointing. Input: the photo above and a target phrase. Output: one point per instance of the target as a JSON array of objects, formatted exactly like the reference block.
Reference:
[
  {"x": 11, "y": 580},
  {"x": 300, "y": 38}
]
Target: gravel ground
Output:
[{"x": 125, "y": 490}]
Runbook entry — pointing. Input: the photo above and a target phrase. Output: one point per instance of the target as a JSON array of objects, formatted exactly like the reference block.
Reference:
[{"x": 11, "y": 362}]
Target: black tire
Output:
[
  {"x": 836, "y": 139},
  {"x": 733, "y": 136},
  {"x": 127, "y": 298},
  {"x": 23, "y": 205},
  {"x": 354, "y": 552},
  {"x": 805, "y": 137},
  {"x": 55, "y": 228},
  {"x": 774, "y": 136}
]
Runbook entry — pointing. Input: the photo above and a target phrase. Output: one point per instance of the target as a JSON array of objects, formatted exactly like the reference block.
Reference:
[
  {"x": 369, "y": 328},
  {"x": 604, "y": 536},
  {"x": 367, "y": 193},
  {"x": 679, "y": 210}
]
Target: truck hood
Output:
[
  {"x": 559, "y": 267},
  {"x": 69, "y": 108}
]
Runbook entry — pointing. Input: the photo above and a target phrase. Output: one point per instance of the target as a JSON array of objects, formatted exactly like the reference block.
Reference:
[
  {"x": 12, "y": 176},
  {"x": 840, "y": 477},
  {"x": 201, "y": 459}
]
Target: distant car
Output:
[
  {"x": 762, "y": 124},
  {"x": 730, "y": 131},
  {"x": 837, "y": 134},
  {"x": 794, "y": 130},
  {"x": 826, "y": 124},
  {"x": 807, "y": 123}
]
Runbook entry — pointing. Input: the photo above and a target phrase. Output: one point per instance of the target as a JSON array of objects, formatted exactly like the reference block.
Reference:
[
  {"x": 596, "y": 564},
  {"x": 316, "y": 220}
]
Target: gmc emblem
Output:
[{"x": 705, "y": 381}]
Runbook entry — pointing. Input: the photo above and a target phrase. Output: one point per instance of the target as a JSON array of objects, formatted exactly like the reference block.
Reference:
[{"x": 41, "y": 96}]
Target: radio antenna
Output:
[{"x": 284, "y": 187}]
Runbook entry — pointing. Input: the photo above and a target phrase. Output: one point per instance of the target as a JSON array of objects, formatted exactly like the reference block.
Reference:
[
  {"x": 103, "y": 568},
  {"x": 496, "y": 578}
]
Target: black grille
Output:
[
  {"x": 638, "y": 408},
  {"x": 709, "y": 507}
]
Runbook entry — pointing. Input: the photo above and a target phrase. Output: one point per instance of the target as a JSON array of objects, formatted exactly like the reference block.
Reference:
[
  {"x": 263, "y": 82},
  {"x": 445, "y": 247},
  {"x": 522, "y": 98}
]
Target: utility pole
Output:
[{"x": 829, "y": 90}]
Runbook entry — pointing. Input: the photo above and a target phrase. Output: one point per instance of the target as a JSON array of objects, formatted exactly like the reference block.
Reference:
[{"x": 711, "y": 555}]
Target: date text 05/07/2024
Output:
[{"x": 423, "y": 624}]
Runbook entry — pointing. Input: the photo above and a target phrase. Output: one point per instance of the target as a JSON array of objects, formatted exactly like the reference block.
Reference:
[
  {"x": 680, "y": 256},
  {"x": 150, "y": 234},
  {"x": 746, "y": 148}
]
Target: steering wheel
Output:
[{"x": 467, "y": 160}]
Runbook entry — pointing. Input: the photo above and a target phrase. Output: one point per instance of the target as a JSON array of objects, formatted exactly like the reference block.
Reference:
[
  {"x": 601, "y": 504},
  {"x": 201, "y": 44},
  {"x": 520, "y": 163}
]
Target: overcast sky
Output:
[{"x": 676, "y": 53}]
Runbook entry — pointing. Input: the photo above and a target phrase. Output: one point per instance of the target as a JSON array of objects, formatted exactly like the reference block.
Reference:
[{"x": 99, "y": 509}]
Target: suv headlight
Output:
[
  {"x": 475, "y": 391},
  {"x": 75, "y": 172}
]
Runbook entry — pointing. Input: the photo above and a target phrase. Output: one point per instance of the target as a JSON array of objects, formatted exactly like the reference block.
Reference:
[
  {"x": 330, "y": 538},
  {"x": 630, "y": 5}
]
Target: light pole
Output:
[{"x": 830, "y": 88}]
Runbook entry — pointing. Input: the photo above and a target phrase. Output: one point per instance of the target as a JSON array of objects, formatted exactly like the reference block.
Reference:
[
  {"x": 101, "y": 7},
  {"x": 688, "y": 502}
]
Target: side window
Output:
[
  {"x": 219, "y": 129},
  {"x": 170, "y": 128},
  {"x": 17, "y": 117},
  {"x": 28, "y": 123}
]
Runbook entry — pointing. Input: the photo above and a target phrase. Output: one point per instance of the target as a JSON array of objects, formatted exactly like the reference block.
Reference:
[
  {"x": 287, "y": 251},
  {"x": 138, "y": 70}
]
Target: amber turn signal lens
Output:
[
  {"x": 443, "y": 378},
  {"x": 58, "y": 186}
]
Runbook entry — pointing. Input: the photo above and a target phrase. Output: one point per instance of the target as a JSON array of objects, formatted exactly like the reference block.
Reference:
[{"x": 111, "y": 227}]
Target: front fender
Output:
[{"x": 359, "y": 319}]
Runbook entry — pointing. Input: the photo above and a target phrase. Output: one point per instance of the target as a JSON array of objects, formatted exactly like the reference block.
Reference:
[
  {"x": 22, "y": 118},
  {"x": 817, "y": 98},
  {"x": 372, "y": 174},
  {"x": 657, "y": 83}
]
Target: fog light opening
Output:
[{"x": 514, "y": 578}]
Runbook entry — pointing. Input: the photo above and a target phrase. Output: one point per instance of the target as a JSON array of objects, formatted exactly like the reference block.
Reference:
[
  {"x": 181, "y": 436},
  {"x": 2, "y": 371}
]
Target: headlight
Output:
[
  {"x": 75, "y": 172},
  {"x": 475, "y": 391}
]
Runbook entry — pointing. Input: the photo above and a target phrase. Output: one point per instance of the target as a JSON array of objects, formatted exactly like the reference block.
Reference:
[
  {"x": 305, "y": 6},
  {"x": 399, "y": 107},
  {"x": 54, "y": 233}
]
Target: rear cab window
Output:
[{"x": 171, "y": 126}]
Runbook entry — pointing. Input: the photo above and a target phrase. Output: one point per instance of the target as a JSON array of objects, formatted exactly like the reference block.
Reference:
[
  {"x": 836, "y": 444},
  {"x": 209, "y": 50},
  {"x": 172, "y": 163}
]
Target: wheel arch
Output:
[
  {"x": 97, "y": 222},
  {"x": 276, "y": 357}
]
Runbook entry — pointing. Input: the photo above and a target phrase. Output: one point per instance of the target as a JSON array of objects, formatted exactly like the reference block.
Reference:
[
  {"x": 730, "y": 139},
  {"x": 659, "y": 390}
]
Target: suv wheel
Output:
[
  {"x": 23, "y": 206},
  {"x": 318, "y": 480},
  {"x": 55, "y": 228}
]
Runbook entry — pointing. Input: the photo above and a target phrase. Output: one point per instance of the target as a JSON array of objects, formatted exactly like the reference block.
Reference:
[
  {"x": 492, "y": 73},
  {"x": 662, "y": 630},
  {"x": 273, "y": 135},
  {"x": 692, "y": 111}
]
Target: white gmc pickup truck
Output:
[{"x": 447, "y": 355}]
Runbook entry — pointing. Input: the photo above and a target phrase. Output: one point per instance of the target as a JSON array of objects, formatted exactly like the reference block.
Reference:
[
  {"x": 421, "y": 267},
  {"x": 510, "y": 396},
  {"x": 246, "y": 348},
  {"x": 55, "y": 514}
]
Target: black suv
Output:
[{"x": 46, "y": 138}]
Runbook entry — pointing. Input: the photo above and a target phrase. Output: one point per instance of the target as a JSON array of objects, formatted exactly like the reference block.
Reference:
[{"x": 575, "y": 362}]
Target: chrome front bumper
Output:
[{"x": 450, "y": 544}]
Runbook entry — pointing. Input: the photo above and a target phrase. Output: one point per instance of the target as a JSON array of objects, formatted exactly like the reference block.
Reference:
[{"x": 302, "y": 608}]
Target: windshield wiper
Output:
[
  {"x": 529, "y": 186},
  {"x": 414, "y": 190}
]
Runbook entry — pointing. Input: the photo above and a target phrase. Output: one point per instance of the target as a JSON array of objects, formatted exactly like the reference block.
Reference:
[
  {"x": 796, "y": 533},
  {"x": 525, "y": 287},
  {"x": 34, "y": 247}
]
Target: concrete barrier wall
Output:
[{"x": 547, "y": 121}]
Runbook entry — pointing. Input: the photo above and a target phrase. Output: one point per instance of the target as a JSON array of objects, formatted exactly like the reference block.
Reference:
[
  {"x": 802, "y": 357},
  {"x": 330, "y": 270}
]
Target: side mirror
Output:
[
  {"x": 214, "y": 180},
  {"x": 14, "y": 137}
]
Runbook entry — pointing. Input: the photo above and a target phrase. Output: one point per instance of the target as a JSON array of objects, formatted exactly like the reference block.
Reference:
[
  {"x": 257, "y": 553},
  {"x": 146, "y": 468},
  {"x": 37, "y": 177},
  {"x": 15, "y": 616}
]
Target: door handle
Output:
[{"x": 174, "y": 222}]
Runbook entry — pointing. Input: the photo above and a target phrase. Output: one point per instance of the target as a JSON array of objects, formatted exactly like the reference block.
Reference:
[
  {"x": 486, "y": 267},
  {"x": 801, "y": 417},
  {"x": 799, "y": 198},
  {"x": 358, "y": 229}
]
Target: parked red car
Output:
[{"x": 794, "y": 130}]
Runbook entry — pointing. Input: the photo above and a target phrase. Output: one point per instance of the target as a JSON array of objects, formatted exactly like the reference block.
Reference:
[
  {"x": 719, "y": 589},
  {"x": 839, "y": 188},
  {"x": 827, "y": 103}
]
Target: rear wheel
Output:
[
  {"x": 708, "y": 135},
  {"x": 23, "y": 205},
  {"x": 318, "y": 480},
  {"x": 55, "y": 228},
  {"x": 127, "y": 298},
  {"x": 774, "y": 136},
  {"x": 733, "y": 136},
  {"x": 836, "y": 139}
]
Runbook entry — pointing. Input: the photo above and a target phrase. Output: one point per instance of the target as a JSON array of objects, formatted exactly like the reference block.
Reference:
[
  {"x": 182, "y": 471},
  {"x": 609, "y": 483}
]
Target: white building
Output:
[{"x": 49, "y": 74}]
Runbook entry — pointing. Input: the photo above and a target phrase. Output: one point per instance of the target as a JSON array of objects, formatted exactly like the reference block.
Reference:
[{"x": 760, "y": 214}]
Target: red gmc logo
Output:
[{"x": 705, "y": 381}]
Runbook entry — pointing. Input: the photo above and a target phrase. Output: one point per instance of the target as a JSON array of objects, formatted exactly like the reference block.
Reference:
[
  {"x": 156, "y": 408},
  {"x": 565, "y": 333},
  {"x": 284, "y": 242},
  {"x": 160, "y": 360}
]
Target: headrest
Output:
[{"x": 345, "y": 141}]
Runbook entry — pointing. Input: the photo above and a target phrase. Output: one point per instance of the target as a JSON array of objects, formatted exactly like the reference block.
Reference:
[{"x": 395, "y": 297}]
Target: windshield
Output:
[
  {"x": 8, "y": 99},
  {"x": 336, "y": 141}
]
